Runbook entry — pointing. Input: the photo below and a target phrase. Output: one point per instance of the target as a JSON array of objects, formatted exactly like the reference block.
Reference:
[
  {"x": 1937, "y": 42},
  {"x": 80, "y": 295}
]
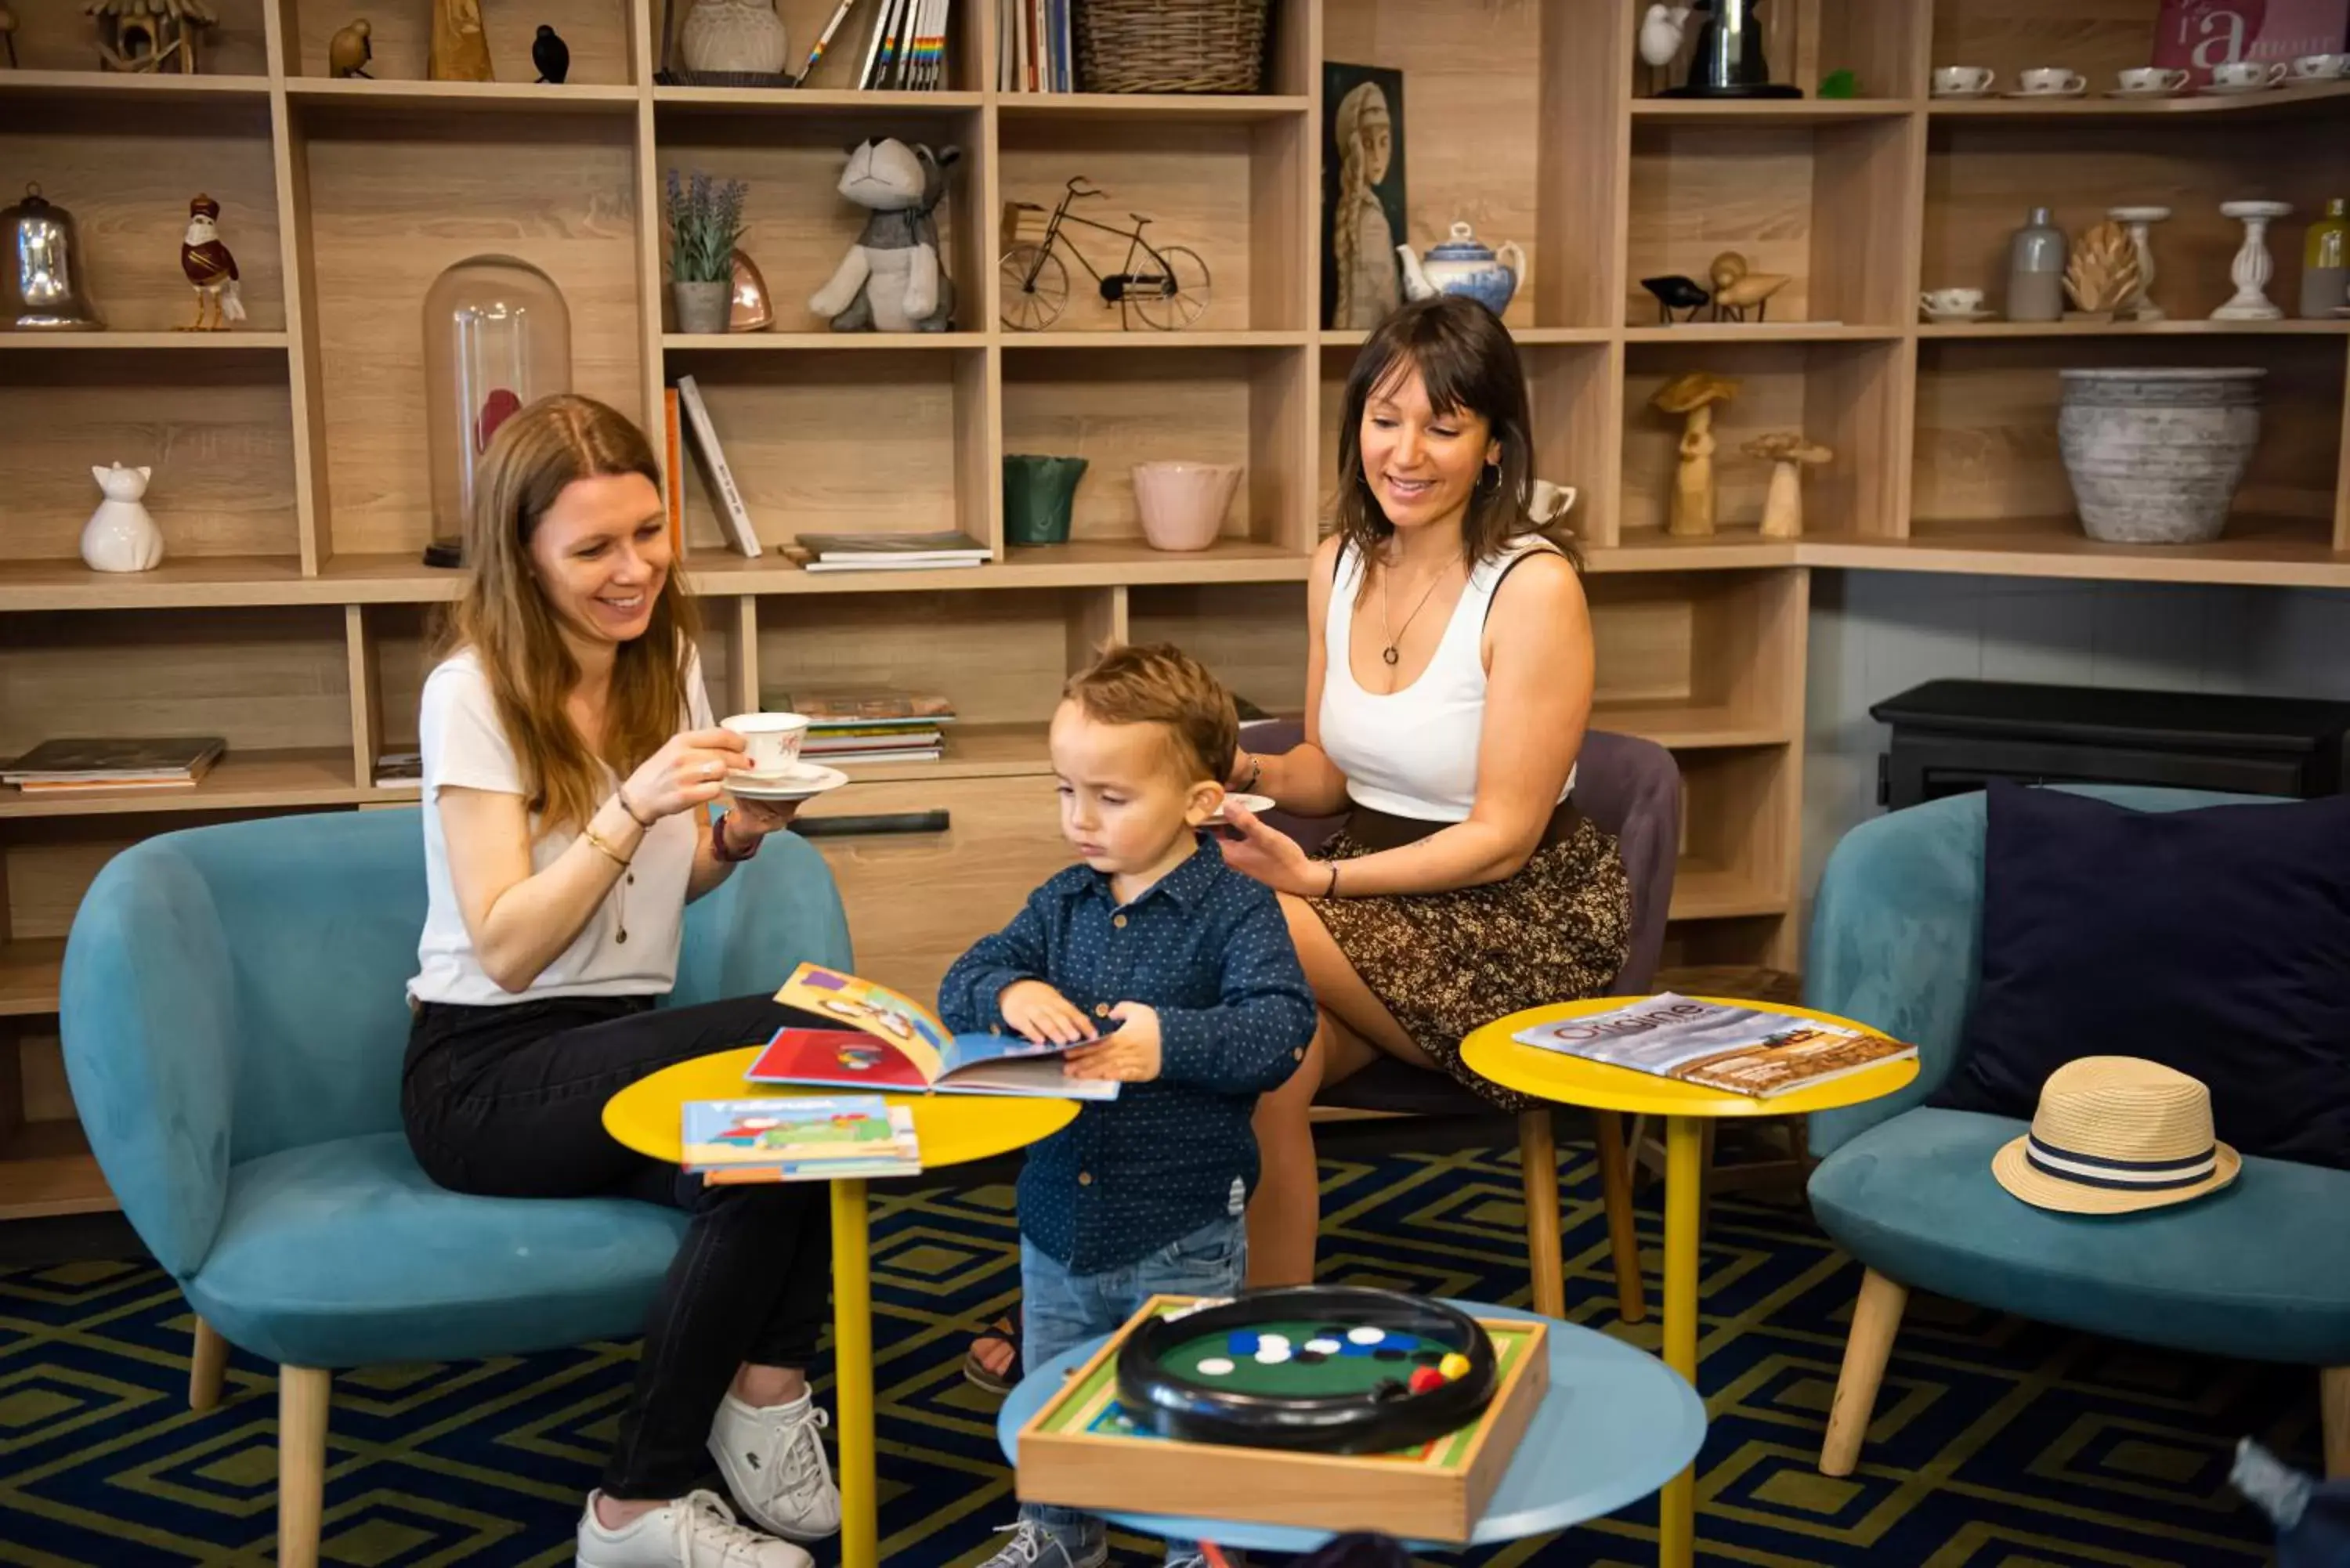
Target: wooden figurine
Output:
[
  {"x": 1727, "y": 268},
  {"x": 1693, "y": 395},
  {"x": 461, "y": 49},
  {"x": 2101, "y": 274},
  {"x": 551, "y": 55},
  {"x": 211, "y": 268},
  {"x": 348, "y": 52},
  {"x": 8, "y": 35},
  {"x": 1787, "y": 452},
  {"x": 1676, "y": 292},
  {"x": 1748, "y": 291},
  {"x": 149, "y": 37}
]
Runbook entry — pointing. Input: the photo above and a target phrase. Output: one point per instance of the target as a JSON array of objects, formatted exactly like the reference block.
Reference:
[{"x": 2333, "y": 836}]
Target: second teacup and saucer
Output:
[
  {"x": 776, "y": 770},
  {"x": 1948, "y": 305}
]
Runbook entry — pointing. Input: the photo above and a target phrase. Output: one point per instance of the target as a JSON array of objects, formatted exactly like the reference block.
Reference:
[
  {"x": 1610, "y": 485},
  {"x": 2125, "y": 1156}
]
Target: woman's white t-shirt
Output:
[{"x": 465, "y": 745}]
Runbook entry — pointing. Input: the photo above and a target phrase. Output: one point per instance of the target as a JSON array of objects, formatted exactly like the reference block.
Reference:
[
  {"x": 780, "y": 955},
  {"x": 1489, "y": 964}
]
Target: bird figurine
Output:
[
  {"x": 1661, "y": 31},
  {"x": 348, "y": 52},
  {"x": 1676, "y": 292},
  {"x": 1748, "y": 291},
  {"x": 550, "y": 54},
  {"x": 211, "y": 268}
]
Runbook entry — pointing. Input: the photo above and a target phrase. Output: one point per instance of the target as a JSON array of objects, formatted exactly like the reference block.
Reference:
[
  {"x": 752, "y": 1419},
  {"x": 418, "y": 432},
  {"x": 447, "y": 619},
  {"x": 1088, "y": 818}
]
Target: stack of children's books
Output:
[
  {"x": 904, "y": 552},
  {"x": 889, "y": 1040},
  {"x": 789, "y": 1138},
  {"x": 70, "y": 766},
  {"x": 868, "y": 727},
  {"x": 1743, "y": 1050}
]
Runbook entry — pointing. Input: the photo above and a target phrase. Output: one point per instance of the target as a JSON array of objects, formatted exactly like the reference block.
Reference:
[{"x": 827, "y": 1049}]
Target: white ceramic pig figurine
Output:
[{"x": 120, "y": 535}]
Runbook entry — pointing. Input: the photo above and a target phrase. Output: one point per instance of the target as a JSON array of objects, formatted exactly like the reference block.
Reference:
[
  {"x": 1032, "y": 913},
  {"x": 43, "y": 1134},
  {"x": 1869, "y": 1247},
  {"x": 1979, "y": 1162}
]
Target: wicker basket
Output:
[{"x": 1171, "y": 46}]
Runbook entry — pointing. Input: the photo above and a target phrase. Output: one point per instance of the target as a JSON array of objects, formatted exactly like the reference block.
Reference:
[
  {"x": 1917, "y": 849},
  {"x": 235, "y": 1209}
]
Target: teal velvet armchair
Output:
[
  {"x": 2260, "y": 1271},
  {"x": 234, "y": 1020}
]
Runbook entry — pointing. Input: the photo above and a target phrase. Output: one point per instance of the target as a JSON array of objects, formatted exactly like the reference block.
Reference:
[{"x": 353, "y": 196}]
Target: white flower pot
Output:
[{"x": 2155, "y": 455}]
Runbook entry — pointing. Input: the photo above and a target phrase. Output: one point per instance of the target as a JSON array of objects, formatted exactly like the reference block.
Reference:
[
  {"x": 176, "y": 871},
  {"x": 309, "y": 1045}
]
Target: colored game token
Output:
[
  {"x": 1453, "y": 1365},
  {"x": 1215, "y": 1366},
  {"x": 1271, "y": 1354},
  {"x": 1365, "y": 1334},
  {"x": 1323, "y": 1345},
  {"x": 1243, "y": 1342},
  {"x": 1272, "y": 1341},
  {"x": 1425, "y": 1378}
]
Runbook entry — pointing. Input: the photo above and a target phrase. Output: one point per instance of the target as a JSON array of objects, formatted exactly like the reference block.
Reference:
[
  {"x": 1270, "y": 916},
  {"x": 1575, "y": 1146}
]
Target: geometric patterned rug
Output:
[{"x": 1998, "y": 1443}]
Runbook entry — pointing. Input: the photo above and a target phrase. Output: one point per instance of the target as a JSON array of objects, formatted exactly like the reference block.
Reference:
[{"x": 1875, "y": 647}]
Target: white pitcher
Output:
[{"x": 120, "y": 535}]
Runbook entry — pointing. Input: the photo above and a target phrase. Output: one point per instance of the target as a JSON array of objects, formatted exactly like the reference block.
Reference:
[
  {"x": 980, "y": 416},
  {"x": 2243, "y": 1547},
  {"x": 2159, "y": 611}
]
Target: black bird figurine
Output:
[
  {"x": 1676, "y": 292},
  {"x": 550, "y": 54}
]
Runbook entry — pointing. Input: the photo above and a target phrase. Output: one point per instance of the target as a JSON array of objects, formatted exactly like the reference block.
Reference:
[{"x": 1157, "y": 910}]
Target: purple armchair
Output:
[{"x": 1632, "y": 788}]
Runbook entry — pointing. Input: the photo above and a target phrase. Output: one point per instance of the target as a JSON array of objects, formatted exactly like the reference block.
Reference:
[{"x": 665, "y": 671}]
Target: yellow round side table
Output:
[
  {"x": 646, "y": 1116},
  {"x": 1599, "y": 1086}
]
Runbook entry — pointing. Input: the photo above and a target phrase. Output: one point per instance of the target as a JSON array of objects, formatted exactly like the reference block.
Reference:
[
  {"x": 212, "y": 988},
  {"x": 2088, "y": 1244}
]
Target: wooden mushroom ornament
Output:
[
  {"x": 1693, "y": 395},
  {"x": 1787, "y": 452}
]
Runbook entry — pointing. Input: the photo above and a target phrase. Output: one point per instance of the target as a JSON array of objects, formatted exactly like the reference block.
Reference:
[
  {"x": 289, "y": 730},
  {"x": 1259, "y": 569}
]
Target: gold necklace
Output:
[{"x": 1389, "y": 654}]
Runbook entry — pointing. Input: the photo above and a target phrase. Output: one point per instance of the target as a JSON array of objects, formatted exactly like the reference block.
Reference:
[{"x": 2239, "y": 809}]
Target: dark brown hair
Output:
[
  {"x": 504, "y": 618},
  {"x": 1469, "y": 365},
  {"x": 1158, "y": 683}
]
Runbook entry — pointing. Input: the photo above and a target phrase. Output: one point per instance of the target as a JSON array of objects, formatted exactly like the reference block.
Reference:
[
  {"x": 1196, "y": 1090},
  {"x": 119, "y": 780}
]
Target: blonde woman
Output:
[
  {"x": 569, "y": 761},
  {"x": 1362, "y": 238}
]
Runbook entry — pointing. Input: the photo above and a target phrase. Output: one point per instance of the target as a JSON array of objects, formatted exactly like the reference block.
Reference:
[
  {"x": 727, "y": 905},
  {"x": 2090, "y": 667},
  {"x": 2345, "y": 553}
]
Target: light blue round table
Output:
[{"x": 1615, "y": 1424}]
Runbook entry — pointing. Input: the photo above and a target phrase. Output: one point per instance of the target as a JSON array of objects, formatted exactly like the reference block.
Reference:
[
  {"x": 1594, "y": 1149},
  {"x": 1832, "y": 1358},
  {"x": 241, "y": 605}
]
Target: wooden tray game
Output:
[{"x": 1081, "y": 1450}]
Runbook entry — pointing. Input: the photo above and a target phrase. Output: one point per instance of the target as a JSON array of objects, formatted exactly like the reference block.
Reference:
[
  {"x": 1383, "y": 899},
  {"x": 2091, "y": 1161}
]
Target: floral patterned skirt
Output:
[{"x": 1448, "y": 963}]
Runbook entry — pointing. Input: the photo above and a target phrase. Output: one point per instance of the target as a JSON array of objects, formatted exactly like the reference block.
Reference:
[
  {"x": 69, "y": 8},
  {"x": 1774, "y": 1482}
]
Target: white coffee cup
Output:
[
  {"x": 2051, "y": 81},
  {"x": 1548, "y": 501},
  {"x": 1951, "y": 301},
  {"x": 1958, "y": 81},
  {"x": 2248, "y": 74},
  {"x": 2321, "y": 68},
  {"x": 2150, "y": 79},
  {"x": 771, "y": 740}
]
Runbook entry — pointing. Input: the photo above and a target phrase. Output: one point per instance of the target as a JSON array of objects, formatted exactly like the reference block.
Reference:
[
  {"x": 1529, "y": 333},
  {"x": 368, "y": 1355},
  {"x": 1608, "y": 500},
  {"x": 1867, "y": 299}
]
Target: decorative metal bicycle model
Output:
[{"x": 1165, "y": 285}]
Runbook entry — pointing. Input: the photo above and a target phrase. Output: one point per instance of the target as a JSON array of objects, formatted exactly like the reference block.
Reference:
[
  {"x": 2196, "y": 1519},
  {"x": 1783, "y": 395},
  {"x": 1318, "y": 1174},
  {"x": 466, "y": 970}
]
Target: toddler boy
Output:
[{"x": 1191, "y": 963}]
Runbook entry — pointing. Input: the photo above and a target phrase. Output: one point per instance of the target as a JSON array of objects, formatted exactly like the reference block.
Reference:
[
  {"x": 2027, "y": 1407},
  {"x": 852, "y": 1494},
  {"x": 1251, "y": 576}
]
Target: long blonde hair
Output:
[{"x": 504, "y": 615}]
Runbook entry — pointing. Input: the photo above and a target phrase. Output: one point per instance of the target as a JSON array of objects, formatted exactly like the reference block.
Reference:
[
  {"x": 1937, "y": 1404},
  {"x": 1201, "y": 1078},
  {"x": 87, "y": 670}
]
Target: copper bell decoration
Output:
[{"x": 43, "y": 290}]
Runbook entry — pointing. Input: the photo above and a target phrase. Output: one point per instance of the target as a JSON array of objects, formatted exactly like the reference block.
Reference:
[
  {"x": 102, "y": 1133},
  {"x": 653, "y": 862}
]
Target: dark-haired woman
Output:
[{"x": 1448, "y": 681}]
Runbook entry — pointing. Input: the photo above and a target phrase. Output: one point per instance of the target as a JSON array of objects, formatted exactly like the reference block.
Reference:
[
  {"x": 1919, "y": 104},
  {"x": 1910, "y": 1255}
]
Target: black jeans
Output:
[{"x": 507, "y": 1101}]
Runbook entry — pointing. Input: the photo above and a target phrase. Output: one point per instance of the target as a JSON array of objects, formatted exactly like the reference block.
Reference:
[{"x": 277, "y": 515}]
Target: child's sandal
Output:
[{"x": 977, "y": 1373}]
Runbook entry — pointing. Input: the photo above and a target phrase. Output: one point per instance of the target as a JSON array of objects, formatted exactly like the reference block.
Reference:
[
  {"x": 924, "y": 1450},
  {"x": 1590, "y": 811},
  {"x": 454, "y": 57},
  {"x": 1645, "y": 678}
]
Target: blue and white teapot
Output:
[{"x": 1465, "y": 264}]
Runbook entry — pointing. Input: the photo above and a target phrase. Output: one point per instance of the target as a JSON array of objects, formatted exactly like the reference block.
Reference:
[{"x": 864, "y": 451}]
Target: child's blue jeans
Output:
[{"x": 1060, "y": 1309}]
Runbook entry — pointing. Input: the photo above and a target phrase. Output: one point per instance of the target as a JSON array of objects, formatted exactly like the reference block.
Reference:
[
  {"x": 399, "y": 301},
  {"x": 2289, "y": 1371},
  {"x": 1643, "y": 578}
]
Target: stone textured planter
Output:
[
  {"x": 2155, "y": 455},
  {"x": 702, "y": 307}
]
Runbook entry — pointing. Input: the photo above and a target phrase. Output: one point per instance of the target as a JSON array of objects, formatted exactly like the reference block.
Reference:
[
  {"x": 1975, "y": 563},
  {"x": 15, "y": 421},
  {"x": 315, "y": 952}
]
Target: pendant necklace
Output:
[{"x": 1390, "y": 654}]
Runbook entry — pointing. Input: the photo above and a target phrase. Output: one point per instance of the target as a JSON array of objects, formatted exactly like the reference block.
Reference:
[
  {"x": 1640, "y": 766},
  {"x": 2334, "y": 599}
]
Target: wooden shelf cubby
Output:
[{"x": 292, "y": 613}]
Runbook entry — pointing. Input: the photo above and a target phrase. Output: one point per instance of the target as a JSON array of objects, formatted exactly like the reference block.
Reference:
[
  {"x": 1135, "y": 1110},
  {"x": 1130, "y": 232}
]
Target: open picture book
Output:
[
  {"x": 789, "y": 1139},
  {"x": 1742, "y": 1050},
  {"x": 891, "y": 1042}
]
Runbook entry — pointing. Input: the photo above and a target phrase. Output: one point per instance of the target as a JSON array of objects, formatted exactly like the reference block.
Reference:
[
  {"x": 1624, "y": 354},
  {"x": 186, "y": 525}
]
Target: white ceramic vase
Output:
[
  {"x": 2155, "y": 455},
  {"x": 1183, "y": 504},
  {"x": 735, "y": 36},
  {"x": 120, "y": 535}
]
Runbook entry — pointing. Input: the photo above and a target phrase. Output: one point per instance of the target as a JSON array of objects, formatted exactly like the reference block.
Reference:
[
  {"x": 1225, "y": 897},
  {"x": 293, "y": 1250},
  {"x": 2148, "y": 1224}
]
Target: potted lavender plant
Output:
[{"x": 705, "y": 223}]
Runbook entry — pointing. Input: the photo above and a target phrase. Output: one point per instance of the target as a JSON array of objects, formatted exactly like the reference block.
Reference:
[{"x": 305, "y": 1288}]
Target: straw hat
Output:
[{"x": 2115, "y": 1135}]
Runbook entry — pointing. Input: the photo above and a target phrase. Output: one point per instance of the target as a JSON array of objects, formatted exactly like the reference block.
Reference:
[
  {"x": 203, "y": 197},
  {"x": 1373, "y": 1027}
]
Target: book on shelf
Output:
[
  {"x": 1742, "y": 1050},
  {"x": 791, "y": 1138},
  {"x": 891, "y": 1041},
  {"x": 394, "y": 769},
  {"x": 724, "y": 494},
  {"x": 1034, "y": 47},
  {"x": 2193, "y": 35},
  {"x": 868, "y": 727},
  {"x": 113, "y": 761},
  {"x": 911, "y": 551},
  {"x": 906, "y": 51},
  {"x": 673, "y": 469}
]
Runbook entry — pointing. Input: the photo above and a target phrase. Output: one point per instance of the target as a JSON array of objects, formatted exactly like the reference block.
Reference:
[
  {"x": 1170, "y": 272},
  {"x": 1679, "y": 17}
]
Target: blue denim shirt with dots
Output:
[{"x": 1207, "y": 947}]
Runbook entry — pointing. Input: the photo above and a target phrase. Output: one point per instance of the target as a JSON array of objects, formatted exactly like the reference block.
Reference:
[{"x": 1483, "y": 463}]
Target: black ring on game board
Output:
[{"x": 1178, "y": 1406}]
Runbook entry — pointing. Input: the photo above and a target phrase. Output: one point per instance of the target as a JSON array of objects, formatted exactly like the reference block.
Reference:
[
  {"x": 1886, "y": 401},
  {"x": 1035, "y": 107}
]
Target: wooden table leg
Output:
[
  {"x": 1538, "y": 1171},
  {"x": 1684, "y": 1173},
  {"x": 852, "y": 1355}
]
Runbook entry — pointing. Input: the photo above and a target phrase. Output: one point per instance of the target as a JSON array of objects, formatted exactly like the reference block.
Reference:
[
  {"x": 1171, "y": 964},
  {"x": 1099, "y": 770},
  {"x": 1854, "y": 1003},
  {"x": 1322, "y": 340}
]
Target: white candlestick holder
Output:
[
  {"x": 2137, "y": 220},
  {"x": 2252, "y": 269}
]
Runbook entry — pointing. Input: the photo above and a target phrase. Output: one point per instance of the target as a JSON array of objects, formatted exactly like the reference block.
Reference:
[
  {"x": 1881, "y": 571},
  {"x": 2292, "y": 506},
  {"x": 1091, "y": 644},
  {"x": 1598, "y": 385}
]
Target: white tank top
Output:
[{"x": 1413, "y": 753}]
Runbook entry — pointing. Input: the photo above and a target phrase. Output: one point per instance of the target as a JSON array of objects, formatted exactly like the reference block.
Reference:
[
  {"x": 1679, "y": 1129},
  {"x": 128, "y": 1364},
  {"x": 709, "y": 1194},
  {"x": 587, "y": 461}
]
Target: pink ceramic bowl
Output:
[{"x": 1183, "y": 504}]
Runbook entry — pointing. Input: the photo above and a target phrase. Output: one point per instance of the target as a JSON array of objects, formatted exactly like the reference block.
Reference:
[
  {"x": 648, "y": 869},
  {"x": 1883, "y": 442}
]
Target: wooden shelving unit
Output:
[{"x": 293, "y": 614}]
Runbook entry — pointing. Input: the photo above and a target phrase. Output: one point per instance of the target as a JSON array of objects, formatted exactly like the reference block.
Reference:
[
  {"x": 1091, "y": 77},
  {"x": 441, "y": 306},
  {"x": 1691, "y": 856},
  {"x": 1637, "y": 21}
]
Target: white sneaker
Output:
[
  {"x": 775, "y": 1464},
  {"x": 1034, "y": 1546},
  {"x": 697, "y": 1530}
]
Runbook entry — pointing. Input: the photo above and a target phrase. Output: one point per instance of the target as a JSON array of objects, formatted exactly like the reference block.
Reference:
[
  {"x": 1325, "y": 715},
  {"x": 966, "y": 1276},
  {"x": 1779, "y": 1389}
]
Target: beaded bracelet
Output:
[{"x": 719, "y": 849}]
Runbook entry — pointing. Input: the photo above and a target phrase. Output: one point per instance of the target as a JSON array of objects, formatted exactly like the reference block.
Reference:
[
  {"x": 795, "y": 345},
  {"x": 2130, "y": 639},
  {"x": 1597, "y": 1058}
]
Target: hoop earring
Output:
[{"x": 1491, "y": 478}]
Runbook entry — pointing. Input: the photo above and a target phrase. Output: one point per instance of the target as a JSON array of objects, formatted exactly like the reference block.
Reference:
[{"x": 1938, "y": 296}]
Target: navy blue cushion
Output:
[{"x": 2215, "y": 941}]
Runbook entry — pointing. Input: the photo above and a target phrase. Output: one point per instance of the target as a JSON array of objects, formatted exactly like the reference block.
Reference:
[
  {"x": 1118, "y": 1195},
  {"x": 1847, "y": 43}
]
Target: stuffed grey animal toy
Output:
[{"x": 891, "y": 280}]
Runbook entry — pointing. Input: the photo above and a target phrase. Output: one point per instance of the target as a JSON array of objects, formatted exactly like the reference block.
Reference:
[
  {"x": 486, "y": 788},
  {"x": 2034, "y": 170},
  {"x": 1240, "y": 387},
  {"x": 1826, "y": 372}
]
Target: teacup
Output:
[
  {"x": 2247, "y": 74},
  {"x": 771, "y": 740},
  {"x": 1962, "y": 81},
  {"x": 2321, "y": 68},
  {"x": 1547, "y": 502},
  {"x": 1951, "y": 301},
  {"x": 2050, "y": 81},
  {"x": 2150, "y": 79}
]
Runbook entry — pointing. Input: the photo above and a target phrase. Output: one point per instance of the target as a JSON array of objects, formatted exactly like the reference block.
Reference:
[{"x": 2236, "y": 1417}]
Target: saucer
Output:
[
  {"x": 1254, "y": 804},
  {"x": 802, "y": 782},
  {"x": 1963, "y": 92},
  {"x": 2145, "y": 92},
  {"x": 2222, "y": 90},
  {"x": 2027, "y": 92},
  {"x": 1943, "y": 317}
]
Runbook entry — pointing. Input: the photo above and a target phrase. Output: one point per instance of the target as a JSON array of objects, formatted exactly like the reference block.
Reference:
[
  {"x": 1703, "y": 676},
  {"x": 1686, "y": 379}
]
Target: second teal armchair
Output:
[{"x": 234, "y": 1019}]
